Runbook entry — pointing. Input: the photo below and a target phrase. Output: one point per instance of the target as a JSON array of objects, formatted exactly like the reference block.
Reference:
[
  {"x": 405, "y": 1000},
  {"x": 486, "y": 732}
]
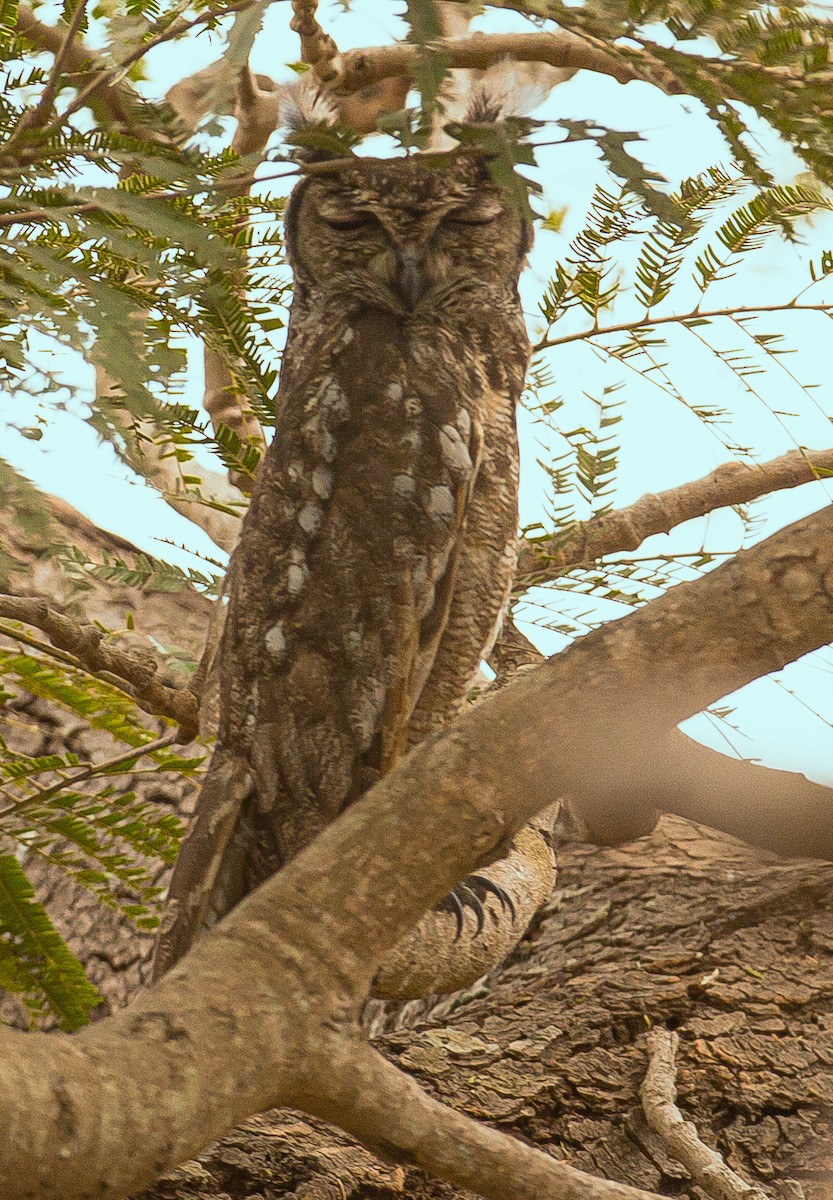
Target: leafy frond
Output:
[
  {"x": 153, "y": 574},
  {"x": 748, "y": 226},
  {"x": 101, "y": 704},
  {"x": 35, "y": 961},
  {"x": 588, "y": 276}
]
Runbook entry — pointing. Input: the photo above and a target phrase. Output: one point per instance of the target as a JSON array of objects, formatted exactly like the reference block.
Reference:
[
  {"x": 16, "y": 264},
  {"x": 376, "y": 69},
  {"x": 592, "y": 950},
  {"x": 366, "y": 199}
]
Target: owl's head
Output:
[{"x": 405, "y": 236}]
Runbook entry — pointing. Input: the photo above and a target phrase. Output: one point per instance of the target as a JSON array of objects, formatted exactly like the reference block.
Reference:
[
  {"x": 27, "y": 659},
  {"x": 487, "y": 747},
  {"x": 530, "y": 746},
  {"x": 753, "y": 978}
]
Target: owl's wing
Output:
[
  {"x": 486, "y": 561},
  {"x": 343, "y": 580},
  {"x": 201, "y": 858},
  {"x": 428, "y": 629}
]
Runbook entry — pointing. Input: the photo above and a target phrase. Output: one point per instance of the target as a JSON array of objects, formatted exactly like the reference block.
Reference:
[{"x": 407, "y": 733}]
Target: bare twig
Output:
[
  {"x": 35, "y": 117},
  {"x": 696, "y": 314},
  {"x": 627, "y": 528},
  {"x": 86, "y": 643},
  {"x": 659, "y": 1095}
]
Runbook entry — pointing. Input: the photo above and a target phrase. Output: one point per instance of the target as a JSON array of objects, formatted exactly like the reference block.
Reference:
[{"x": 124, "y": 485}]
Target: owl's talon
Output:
[
  {"x": 503, "y": 897},
  {"x": 473, "y": 901},
  {"x": 457, "y": 908}
]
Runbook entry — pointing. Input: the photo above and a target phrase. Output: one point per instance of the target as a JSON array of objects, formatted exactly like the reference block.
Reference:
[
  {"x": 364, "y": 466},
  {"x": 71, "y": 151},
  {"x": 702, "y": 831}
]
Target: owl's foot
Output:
[{"x": 470, "y": 894}]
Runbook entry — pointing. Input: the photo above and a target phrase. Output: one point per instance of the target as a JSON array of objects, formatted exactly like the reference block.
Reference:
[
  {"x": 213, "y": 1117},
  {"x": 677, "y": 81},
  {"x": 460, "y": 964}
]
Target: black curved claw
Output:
[
  {"x": 504, "y": 899},
  {"x": 457, "y": 908},
  {"x": 467, "y": 897}
]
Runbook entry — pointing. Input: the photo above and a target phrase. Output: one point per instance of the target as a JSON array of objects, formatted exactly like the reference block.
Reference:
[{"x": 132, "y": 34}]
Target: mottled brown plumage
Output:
[{"x": 376, "y": 560}]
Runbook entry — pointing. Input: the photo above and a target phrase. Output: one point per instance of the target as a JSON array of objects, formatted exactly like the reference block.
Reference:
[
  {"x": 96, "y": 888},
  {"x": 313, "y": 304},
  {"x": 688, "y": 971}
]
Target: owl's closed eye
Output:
[{"x": 405, "y": 233}]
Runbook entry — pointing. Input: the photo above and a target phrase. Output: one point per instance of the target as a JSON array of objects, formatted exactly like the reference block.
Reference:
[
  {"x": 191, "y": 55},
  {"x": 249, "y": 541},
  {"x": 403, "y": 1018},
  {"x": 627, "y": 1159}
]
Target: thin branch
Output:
[
  {"x": 30, "y": 216},
  {"x": 358, "y": 69},
  {"x": 87, "y": 644},
  {"x": 117, "y": 98},
  {"x": 70, "y": 660},
  {"x": 114, "y": 75},
  {"x": 696, "y": 314},
  {"x": 38, "y": 116},
  {"x": 106, "y": 766},
  {"x": 659, "y": 1095},
  {"x": 627, "y": 528}
]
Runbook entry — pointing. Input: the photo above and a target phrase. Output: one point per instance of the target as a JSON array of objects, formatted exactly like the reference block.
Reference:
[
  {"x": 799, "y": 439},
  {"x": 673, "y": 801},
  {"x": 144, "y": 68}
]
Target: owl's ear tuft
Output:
[
  {"x": 511, "y": 89},
  {"x": 305, "y": 104},
  {"x": 312, "y": 120}
]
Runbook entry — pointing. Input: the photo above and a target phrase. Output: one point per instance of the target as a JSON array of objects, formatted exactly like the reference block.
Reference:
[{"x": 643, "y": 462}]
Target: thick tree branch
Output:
[
  {"x": 627, "y": 528},
  {"x": 361, "y": 68},
  {"x": 317, "y": 47},
  {"x": 111, "y": 1107},
  {"x": 87, "y": 644}
]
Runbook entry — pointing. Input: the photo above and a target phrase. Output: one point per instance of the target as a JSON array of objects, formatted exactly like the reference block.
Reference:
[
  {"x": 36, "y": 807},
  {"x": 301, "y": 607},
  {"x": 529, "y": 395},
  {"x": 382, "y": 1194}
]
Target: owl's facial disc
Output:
[{"x": 398, "y": 236}]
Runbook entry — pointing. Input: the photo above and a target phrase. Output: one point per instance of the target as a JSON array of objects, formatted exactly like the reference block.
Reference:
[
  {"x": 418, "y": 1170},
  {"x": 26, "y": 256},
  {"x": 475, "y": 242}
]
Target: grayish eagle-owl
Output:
[{"x": 376, "y": 560}]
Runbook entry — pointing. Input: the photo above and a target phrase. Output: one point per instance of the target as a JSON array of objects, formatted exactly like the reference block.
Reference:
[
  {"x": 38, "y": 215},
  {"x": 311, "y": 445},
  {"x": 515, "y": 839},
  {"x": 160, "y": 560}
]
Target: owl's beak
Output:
[{"x": 410, "y": 281}]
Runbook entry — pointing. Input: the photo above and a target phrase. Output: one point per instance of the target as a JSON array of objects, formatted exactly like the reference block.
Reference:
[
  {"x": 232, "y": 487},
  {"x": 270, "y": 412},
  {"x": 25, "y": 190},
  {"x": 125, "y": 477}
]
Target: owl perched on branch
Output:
[{"x": 375, "y": 563}]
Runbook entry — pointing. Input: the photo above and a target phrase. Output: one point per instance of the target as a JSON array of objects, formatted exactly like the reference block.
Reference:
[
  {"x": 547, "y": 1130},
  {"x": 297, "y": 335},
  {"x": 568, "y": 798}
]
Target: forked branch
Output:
[{"x": 116, "y": 98}]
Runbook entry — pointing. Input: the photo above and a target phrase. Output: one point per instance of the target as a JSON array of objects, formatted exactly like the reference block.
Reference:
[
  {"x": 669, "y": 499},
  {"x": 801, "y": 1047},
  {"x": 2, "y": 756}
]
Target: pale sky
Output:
[{"x": 788, "y": 723}]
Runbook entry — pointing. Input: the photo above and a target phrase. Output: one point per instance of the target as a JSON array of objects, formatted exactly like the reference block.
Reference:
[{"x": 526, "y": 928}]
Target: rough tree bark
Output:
[{"x": 685, "y": 928}]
